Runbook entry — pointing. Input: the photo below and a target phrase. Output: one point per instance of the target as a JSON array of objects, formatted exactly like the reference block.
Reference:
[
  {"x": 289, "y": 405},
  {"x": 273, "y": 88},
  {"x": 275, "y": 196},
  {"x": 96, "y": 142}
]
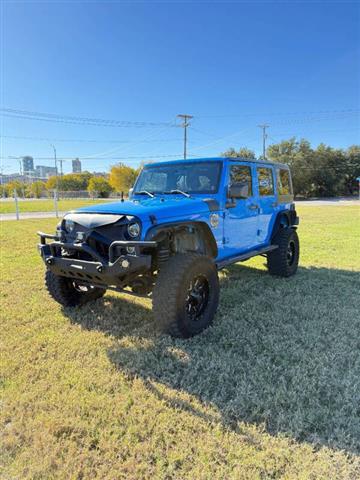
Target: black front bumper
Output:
[{"x": 115, "y": 271}]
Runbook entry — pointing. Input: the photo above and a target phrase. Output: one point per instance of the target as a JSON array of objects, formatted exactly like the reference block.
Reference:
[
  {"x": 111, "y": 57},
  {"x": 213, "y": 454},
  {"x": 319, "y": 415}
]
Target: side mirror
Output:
[{"x": 239, "y": 190}]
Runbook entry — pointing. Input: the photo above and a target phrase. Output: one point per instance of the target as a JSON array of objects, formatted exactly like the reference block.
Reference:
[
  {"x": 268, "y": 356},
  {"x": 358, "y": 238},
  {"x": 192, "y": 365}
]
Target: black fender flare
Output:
[
  {"x": 155, "y": 231},
  {"x": 291, "y": 220}
]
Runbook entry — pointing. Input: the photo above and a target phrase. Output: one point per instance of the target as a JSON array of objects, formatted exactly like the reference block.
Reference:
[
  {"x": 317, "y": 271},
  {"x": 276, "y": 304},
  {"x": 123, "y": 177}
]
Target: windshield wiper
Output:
[
  {"x": 187, "y": 195},
  {"x": 144, "y": 192}
]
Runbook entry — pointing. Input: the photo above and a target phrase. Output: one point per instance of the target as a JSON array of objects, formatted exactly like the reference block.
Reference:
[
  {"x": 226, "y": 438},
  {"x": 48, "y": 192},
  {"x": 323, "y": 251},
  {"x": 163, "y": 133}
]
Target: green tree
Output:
[
  {"x": 36, "y": 189},
  {"x": 122, "y": 177},
  {"x": 3, "y": 192},
  {"x": 243, "y": 152},
  {"x": 299, "y": 156},
  {"x": 351, "y": 169},
  {"x": 69, "y": 182},
  {"x": 51, "y": 183},
  {"x": 20, "y": 188},
  {"x": 99, "y": 186},
  {"x": 323, "y": 171}
]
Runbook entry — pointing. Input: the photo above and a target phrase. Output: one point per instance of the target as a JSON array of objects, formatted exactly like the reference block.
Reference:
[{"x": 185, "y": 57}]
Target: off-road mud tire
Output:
[
  {"x": 284, "y": 261},
  {"x": 62, "y": 290},
  {"x": 171, "y": 294}
]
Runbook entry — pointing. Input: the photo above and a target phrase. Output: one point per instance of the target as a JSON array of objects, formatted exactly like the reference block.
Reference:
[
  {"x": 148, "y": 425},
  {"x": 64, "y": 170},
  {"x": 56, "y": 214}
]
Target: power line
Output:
[
  {"x": 73, "y": 140},
  {"x": 64, "y": 159},
  {"x": 297, "y": 121},
  {"x": 17, "y": 158},
  {"x": 292, "y": 134},
  {"x": 202, "y": 132},
  {"x": 320, "y": 112},
  {"x": 234, "y": 134},
  {"x": 52, "y": 117},
  {"x": 249, "y": 128}
]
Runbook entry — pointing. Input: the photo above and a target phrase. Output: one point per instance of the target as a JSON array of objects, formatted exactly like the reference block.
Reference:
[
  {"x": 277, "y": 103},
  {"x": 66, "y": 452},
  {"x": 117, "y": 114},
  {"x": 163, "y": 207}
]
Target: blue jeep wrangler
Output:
[{"x": 184, "y": 221}]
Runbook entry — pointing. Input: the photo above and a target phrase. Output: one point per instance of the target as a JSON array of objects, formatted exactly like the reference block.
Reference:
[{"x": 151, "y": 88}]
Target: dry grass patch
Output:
[{"x": 270, "y": 391}]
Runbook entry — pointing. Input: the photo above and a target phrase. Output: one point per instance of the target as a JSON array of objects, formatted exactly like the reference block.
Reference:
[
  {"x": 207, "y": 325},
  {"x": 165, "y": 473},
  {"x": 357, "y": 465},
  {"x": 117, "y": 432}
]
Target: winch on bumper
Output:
[{"x": 99, "y": 270}]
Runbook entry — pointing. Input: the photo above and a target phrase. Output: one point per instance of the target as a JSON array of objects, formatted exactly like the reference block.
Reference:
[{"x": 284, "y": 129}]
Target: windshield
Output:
[{"x": 191, "y": 177}]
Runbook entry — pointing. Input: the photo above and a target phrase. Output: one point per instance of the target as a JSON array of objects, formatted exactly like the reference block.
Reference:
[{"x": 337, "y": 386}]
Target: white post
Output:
[
  {"x": 56, "y": 203},
  {"x": 16, "y": 204}
]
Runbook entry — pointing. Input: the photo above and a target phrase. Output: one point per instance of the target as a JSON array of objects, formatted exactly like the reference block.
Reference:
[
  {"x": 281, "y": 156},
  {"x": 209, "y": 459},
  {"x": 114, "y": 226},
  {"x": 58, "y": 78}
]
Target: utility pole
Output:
[
  {"x": 185, "y": 117},
  {"x": 56, "y": 171},
  {"x": 264, "y": 127}
]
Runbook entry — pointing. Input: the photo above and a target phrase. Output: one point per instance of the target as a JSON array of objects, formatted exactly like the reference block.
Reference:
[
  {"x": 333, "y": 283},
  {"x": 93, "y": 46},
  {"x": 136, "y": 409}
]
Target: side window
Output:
[
  {"x": 266, "y": 181},
  {"x": 283, "y": 182},
  {"x": 241, "y": 174}
]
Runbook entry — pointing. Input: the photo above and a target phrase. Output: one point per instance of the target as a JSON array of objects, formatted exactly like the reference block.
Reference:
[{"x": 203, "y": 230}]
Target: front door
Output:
[
  {"x": 241, "y": 216},
  {"x": 267, "y": 202}
]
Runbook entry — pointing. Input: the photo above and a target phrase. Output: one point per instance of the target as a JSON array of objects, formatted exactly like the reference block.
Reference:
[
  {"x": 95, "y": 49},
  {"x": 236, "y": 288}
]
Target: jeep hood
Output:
[{"x": 160, "y": 207}]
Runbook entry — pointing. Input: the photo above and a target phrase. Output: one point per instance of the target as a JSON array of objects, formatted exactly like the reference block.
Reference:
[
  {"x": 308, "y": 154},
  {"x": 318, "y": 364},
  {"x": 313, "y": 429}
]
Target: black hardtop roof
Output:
[{"x": 218, "y": 159}]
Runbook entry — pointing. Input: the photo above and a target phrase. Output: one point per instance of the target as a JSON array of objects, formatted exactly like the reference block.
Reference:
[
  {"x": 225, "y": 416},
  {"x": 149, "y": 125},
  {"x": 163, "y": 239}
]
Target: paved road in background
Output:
[
  {"x": 308, "y": 203},
  {"x": 28, "y": 215},
  {"x": 333, "y": 202}
]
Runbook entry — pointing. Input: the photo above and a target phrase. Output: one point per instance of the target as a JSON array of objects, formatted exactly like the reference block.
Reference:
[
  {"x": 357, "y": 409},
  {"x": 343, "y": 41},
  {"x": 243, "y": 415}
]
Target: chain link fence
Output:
[{"x": 54, "y": 202}]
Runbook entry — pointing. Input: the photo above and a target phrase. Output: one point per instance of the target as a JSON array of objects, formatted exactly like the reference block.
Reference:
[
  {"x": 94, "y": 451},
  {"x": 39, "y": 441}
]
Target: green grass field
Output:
[
  {"x": 271, "y": 391},
  {"x": 47, "y": 205}
]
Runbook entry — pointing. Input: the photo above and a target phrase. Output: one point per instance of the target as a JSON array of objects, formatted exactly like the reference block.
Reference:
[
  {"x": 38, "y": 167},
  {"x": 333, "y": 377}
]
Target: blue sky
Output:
[{"x": 232, "y": 65}]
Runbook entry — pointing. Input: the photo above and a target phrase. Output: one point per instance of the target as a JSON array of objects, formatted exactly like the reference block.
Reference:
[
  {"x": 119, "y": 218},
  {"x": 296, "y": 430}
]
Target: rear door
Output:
[
  {"x": 241, "y": 217},
  {"x": 267, "y": 201}
]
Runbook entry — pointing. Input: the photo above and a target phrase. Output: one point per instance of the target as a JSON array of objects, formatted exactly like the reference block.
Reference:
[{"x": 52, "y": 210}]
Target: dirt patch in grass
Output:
[{"x": 270, "y": 391}]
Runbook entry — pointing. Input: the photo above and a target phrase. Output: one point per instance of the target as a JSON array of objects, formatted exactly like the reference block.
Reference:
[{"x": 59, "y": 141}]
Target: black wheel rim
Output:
[
  {"x": 197, "y": 298},
  {"x": 290, "y": 253}
]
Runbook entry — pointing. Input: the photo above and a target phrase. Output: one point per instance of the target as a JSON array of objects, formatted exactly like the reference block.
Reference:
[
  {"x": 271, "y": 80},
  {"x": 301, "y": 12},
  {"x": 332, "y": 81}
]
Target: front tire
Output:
[
  {"x": 284, "y": 261},
  {"x": 68, "y": 292},
  {"x": 186, "y": 295}
]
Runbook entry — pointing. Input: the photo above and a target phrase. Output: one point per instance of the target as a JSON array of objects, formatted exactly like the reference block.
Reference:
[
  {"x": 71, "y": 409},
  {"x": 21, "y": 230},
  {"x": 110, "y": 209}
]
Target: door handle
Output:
[
  {"x": 274, "y": 204},
  {"x": 253, "y": 207}
]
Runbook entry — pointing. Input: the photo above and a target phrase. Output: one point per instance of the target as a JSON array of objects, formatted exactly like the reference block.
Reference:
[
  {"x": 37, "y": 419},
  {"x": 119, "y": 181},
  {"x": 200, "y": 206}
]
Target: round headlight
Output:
[
  {"x": 133, "y": 230},
  {"x": 69, "y": 225}
]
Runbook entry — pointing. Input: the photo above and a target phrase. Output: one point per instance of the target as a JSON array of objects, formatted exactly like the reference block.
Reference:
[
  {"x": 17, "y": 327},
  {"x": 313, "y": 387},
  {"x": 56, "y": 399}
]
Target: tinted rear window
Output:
[
  {"x": 266, "y": 182},
  {"x": 241, "y": 174},
  {"x": 283, "y": 182}
]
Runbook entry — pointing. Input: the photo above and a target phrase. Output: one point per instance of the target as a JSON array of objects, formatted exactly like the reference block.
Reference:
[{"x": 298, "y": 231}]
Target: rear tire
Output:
[
  {"x": 186, "y": 295},
  {"x": 68, "y": 293},
  {"x": 284, "y": 261}
]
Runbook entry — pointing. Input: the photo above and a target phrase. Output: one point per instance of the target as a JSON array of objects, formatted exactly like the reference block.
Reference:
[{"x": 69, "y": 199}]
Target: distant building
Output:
[
  {"x": 44, "y": 171},
  {"x": 28, "y": 165},
  {"x": 11, "y": 177},
  {"x": 76, "y": 166}
]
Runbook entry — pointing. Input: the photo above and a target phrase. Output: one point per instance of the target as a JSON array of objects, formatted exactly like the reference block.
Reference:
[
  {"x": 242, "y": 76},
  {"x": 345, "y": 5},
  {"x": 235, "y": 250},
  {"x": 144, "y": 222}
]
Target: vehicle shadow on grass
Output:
[{"x": 283, "y": 353}]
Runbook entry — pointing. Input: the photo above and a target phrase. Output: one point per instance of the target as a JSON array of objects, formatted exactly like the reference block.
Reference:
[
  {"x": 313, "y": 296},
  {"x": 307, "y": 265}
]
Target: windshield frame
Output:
[{"x": 177, "y": 164}]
